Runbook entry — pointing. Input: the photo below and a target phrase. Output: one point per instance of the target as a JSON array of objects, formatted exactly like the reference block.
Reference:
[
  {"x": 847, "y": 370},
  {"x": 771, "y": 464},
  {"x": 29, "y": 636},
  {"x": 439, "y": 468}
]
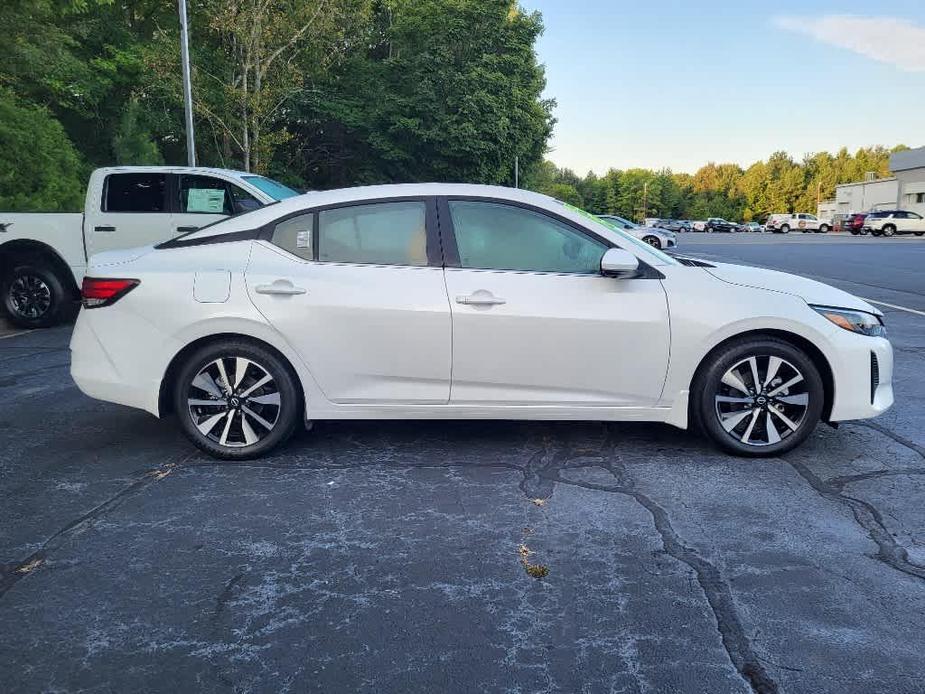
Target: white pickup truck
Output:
[
  {"x": 43, "y": 256},
  {"x": 784, "y": 223}
]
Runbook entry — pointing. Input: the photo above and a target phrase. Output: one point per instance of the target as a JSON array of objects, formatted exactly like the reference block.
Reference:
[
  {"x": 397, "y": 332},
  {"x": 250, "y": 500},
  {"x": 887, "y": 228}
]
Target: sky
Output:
[{"x": 679, "y": 83}]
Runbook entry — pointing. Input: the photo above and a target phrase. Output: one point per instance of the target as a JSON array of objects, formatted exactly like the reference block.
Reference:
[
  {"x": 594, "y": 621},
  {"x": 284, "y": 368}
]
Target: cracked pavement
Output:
[{"x": 387, "y": 557}]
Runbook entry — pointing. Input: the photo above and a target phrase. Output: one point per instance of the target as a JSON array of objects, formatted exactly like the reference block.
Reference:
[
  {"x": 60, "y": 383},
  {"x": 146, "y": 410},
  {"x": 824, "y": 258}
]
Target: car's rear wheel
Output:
[
  {"x": 758, "y": 397},
  {"x": 824, "y": 229},
  {"x": 237, "y": 399},
  {"x": 919, "y": 233},
  {"x": 889, "y": 230},
  {"x": 653, "y": 241}
]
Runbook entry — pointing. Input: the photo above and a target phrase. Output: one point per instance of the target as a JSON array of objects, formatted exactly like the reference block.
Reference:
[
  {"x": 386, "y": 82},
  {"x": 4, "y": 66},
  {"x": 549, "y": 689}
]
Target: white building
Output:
[{"x": 905, "y": 190}]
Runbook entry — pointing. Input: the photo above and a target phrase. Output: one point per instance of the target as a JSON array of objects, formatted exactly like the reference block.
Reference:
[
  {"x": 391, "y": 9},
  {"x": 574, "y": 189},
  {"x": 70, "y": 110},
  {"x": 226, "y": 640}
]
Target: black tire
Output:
[
  {"x": 855, "y": 232},
  {"x": 709, "y": 385},
  {"x": 824, "y": 229},
  {"x": 889, "y": 230},
  {"x": 288, "y": 411},
  {"x": 653, "y": 241},
  {"x": 785, "y": 229},
  {"x": 920, "y": 233},
  {"x": 33, "y": 296}
]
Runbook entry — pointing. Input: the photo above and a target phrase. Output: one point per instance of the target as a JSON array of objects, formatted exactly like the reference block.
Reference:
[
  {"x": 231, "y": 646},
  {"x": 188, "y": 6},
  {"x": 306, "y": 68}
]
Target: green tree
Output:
[
  {"x": 39, "y": 168},
  {"x": 132, "y": 142}
]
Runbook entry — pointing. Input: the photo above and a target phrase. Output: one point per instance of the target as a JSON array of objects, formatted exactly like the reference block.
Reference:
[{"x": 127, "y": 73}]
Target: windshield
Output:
[
  {"x": 627, "y": 240},
  {"x": 274, "y": 189}
]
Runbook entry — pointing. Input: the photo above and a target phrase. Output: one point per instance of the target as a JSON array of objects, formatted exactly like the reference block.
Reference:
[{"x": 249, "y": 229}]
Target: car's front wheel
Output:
[
  {"x": 653, "y": 241},
  {"x": 758, "y": 397},
  {"x": 785, "y": 229},
  {"x": 237, "y": 399}
]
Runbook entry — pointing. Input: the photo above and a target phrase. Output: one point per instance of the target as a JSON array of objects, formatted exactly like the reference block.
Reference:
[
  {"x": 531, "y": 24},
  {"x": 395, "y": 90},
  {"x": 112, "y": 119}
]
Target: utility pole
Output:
[
  {"x": 517, "y": 172},
  {"x": 645, "y": 201},
  {"x": 187, "y": 86}
]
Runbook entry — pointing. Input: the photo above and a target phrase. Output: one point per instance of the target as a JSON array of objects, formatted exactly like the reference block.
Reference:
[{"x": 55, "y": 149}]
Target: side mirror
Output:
[
  {"x": 619, "y": 263},
  {"x": 245, "y": 205}
]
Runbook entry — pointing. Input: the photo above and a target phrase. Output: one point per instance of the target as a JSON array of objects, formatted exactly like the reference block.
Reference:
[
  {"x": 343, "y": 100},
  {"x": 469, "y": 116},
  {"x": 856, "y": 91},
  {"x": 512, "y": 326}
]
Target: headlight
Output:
[{"x": 855, "y": 321}]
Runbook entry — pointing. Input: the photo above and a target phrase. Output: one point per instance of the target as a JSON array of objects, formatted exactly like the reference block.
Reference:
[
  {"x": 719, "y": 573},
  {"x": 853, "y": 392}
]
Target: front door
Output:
[
  {"x": 359, "y": 293},
  {"x": 534, "y": 322},
  {"x": 203, "y": 200}
]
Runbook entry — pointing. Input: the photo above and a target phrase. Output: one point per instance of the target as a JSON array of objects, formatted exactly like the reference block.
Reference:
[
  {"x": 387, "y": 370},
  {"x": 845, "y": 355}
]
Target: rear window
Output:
[{"x": 135, "y": 192}]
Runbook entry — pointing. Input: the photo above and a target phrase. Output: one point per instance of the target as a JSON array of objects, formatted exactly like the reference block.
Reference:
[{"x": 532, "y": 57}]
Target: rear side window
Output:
[
  {"x": 393, "y": 233},
  {"x": 136, "y": 192},
  {"x": 295, "y": 235}
]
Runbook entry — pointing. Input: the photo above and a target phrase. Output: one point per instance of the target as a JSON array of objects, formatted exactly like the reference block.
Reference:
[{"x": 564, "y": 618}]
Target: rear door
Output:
[
  {"x": 915, "y": 222},
  {"x": 534, "y": 322},
  {"x": 358, "y": 291},
  {"x": 134, "y": 210}
]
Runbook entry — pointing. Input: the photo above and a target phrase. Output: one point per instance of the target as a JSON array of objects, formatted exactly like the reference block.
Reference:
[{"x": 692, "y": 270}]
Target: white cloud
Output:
[{"x": 898, "y": 42}]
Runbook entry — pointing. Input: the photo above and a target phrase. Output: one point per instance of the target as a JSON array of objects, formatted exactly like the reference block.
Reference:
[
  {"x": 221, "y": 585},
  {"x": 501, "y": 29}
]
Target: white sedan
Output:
[{"x": 439, "y": 301}]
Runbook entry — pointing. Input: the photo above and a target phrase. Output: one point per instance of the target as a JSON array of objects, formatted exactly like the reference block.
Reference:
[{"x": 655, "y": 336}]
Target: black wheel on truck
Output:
[{"x": 33, "y": 296}]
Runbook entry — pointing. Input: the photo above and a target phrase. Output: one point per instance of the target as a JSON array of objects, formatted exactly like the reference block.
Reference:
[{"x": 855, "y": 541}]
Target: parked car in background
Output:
[
  {"x": 43, "y": 255},
  {"x": 720, "y": 225},
  {"x": 753, "y": 226},
  {"x": 676, "y": 225},
  {"x": 785, "y": 223},
  {"x": 853, "y": 223},
  {"x": 654, "y": 236},
  {"x": 505, "y": 304},
  {"x": 890, "y": 222}
]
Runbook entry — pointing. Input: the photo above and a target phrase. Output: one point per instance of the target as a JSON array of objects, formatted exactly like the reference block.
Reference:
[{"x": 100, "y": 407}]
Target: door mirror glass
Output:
[{"x": 619, "y": 263}]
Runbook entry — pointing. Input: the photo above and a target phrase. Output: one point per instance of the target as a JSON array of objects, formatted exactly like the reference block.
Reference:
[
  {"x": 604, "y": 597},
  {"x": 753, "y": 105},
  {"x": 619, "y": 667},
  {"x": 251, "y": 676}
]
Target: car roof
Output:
[{"x": 314, "y": 199}]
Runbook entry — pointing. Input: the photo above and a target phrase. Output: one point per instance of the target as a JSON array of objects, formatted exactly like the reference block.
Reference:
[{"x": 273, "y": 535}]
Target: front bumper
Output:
[{"x": 863, "y": 375}]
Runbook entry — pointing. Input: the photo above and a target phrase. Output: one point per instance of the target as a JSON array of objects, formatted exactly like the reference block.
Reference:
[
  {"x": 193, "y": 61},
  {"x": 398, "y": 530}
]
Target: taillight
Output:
[{"x": 97, "y": 291}]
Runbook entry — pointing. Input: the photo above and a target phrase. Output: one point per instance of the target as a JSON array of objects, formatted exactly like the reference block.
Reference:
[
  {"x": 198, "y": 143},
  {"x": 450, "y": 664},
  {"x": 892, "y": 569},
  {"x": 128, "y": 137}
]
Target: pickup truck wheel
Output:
[
  {"x": 785, "y": 229},
  {"x": 823, "y": 228},
  {"x": 33, "y": 296}
]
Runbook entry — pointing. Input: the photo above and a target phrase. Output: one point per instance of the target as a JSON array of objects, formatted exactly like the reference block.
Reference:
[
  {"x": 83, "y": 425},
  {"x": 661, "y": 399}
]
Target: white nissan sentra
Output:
[{"x": 449, "y": 301}]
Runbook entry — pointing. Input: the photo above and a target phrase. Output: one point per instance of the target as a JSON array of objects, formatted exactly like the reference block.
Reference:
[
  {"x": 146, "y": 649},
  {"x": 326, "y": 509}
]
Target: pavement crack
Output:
[
  {"x": 898, "y": 438},
  {"x": 889, "y": 551},
  {"x": 35, "y": 560}
]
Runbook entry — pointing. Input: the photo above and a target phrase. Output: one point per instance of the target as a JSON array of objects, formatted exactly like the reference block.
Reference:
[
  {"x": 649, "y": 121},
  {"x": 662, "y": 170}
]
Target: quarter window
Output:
[
  {"x": 392, "y": 233},
  {"x": 136, "y": 192},
  {"x": 295, "y": 235},
  {"x": 493, "y": 236}
]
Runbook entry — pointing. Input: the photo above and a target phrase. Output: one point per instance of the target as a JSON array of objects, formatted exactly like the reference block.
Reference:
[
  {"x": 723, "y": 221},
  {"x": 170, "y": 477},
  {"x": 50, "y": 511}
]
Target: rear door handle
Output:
[
  {"x": 104, "y": 228},
  {"x": 279, "y": 288},
  {"x": 480, "y": 298},
  {"x": 181, "y": 230}
]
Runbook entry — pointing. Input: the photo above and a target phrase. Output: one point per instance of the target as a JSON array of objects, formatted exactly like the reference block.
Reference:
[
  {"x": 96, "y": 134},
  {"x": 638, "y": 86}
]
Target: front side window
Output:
[
  {"x": 392, "y": 233},
  {"x": 136, "y": 192},
  {"x": 492, "y": 236},
  {"x": 204, "y": 195}
]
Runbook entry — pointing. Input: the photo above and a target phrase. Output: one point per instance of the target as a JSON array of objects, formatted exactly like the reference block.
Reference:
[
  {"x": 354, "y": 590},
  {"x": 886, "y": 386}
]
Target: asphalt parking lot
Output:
[{"x": 397, "y": 557}]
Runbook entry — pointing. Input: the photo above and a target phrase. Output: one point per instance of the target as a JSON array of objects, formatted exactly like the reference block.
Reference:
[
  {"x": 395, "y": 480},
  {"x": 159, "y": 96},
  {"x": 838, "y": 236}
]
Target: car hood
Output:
[{"x": 810, "y": 291}]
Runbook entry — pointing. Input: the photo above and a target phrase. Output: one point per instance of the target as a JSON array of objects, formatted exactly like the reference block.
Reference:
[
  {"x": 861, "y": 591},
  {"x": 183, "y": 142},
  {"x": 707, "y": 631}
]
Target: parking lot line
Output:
[
  {"x": 898, "y": 308},
  {"x": 21, "y": 332}
]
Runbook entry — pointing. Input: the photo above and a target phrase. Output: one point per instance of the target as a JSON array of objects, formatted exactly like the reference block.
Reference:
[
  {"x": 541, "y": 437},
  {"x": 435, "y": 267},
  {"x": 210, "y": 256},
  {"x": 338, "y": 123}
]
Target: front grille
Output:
[{"x": 874, "y": 376}]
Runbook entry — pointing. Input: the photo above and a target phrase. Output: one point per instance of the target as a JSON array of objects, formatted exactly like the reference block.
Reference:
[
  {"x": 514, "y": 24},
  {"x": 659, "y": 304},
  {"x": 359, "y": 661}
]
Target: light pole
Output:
[{"x": 187, "y": 86}]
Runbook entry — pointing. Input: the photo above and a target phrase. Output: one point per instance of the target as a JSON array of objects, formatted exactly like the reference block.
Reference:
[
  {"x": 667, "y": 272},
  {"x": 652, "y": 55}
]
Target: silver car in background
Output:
[{"x": 655, "y": 237}]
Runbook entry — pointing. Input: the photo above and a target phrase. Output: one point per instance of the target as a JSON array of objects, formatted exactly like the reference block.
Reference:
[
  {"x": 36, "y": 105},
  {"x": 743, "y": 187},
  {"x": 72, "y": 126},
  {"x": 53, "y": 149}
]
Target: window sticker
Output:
[
  {"x": 211, "y": 200},
  {"x": 303, "y": 239}
]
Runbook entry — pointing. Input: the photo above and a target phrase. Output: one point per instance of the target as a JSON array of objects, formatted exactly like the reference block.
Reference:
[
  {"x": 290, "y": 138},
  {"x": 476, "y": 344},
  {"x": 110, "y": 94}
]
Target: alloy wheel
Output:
[
  {"x": 29, "y": 296},
  {"x": 234, "y": 401},
  {"x": 762, "y": 400}
]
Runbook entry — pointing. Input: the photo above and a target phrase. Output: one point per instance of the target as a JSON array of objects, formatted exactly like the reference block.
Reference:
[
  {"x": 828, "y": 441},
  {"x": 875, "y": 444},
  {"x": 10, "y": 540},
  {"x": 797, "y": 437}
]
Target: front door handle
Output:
[
  {"x": 279, "y": 288},
  {"x": 104, "y": 228},
  {"x": 182, "y": 230},
  {"x": 480, "y": 298}
]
